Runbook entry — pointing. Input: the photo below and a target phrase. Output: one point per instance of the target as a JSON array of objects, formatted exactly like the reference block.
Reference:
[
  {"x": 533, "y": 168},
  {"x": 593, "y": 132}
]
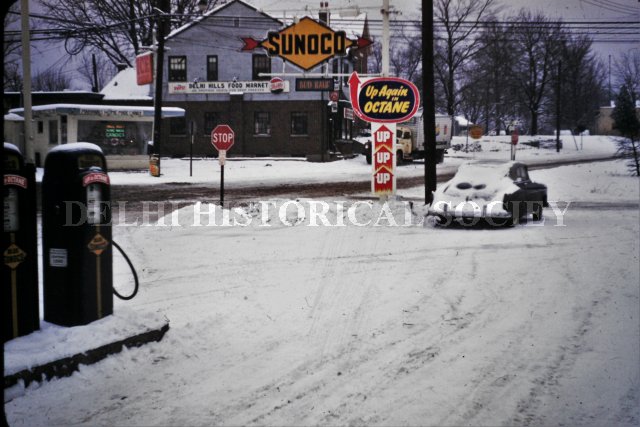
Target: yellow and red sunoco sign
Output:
[
  {"x": 384, "y": 99},
  {"x": 306, "y": 43}
]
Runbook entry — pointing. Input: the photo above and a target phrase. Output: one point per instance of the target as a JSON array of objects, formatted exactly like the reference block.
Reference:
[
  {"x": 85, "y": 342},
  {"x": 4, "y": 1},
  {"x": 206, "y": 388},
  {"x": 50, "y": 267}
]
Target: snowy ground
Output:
[
  {"x": 377, "y": 325},
  {"x": 269, "y": 171}
]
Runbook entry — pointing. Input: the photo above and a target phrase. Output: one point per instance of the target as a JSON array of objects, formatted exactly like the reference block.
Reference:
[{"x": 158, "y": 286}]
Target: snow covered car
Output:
[{"x": 499, "y": 192}]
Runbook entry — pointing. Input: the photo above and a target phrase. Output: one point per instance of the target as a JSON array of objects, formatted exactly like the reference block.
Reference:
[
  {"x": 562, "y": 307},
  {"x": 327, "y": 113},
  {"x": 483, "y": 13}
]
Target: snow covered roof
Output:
[
  {"x": 12, "y": 117},
  {"x": 462, "y": 121},
  {"x": 76, "y": 146},
  {"x": 353, "y": 26},
  {"x": 115, "y": 110},
  {"x": 124, "y": 86},
  {"x": 213, "y": 12}
]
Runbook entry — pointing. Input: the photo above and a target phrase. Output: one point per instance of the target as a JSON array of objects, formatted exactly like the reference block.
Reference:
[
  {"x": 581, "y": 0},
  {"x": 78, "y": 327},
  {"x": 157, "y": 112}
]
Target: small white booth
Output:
[{"x": 123, "y": 132}]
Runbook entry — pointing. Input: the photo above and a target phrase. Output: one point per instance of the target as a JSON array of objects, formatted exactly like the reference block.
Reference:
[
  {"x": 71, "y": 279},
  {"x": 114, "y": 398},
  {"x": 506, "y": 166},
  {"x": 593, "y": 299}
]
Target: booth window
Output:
[
  {"x": 177, "y": 68},
  {"x": 299, "y": 124},
  {"x": 53, "y": 132},
  {"x": 177, "y": 126},
  {"x": 115, "y": 136},
  {"x": 212, "y": 68},
  {"x": 262, "y": 123},
  {"x": 261, "y": 64},
  {"x": 211, "y": 120}
]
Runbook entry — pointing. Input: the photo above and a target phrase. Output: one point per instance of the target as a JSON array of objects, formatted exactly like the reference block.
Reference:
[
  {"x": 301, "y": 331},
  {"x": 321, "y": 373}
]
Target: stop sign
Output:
[{"x": 222, "y": 137}]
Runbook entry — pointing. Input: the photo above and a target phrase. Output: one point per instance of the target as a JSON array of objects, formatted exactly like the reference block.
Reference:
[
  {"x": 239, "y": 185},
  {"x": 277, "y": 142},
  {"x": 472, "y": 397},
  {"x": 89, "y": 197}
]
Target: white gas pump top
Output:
[{"x": 76, "y": 146}]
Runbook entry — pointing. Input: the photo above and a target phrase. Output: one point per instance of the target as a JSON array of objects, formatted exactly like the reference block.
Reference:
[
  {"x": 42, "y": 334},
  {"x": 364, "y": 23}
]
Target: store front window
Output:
[{"x": 116, "y": 137}]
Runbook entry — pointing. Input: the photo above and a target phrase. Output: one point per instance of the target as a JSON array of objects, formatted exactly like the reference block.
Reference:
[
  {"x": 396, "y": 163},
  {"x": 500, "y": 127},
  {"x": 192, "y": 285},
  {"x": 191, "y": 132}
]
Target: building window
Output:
[
  {"x": 262, "y": 123},
  {"x": 177, "y": 126},
  {"x": 212, "y": 68},
  {"x": 40, "y": 126},
  {"x": 177, "y": 68},
  {"x": 211, "y": 120},
  {"x": 236, "y": 22},
  {"x": 299, "y": 122},
  {"x": 261, "y": 64}
]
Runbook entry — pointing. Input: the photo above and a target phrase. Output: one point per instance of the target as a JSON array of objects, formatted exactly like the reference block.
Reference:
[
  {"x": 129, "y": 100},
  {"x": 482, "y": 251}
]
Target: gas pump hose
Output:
[{"x": 133, "y": 270}]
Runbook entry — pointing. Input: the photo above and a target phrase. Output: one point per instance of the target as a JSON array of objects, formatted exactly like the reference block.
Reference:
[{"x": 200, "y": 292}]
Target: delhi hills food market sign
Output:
[{"x": 306, "y": 43}]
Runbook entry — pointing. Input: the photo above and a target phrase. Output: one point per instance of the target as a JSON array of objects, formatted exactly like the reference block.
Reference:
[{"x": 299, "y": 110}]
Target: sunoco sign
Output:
[{"x": 306, "y": 43}]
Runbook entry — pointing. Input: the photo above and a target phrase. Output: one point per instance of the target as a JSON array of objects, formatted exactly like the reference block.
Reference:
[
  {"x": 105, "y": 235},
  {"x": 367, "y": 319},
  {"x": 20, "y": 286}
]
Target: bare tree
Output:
[
  {"x": 537, "y": 43},
  {"x": 12, "y": 48},
  {"x": 405, "y": 57},
  {"x": 51, "y": 80},
  {"x": 375, "y": 57},
  {"x": 627, "y": 71},
  {"x": 12, "y": 78},
  {"x": 117, "y": 28},
  {"x": 458, "y": 43},
  {"x": 104, "y": 70},
  {"x": 582, "y": 87}
]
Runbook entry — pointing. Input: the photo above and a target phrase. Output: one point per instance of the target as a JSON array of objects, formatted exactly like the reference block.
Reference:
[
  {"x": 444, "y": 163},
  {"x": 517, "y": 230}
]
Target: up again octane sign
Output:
[
  {"x": 306, "y": 43},
  {"x": 384, "y": 99}
]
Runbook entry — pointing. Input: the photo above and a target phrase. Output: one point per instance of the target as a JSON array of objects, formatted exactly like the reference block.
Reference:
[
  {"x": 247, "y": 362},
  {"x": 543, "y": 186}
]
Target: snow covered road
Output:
[{"x": 363, "y": 325}]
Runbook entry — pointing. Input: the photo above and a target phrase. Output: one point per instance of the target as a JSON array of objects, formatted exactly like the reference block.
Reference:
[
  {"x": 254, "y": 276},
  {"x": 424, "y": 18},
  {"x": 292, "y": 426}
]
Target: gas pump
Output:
[
  {"x": 19, "y": 247},
  {"x": 76, "y": 235}
]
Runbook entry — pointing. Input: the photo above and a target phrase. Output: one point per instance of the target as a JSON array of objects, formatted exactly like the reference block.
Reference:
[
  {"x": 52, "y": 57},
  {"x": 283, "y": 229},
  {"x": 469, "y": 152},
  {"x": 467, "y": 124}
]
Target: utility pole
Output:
[
  {"x": 558, "y": 106},
  {"x": 429, "y": 104},
  {"x": 385, "y": 37},
  {"x": 157, "y": 110},
  {"x": 95, "y": 73},
  {"x": 29, "y": 149}
]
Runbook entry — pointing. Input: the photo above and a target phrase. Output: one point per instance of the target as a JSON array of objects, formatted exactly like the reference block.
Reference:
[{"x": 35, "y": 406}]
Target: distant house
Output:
[{"x": 604, "y": 120}]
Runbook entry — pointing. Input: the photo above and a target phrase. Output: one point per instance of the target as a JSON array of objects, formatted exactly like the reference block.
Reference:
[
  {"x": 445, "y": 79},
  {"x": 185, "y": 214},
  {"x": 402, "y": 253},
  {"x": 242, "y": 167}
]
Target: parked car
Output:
[{"x": 501, "y": 193}]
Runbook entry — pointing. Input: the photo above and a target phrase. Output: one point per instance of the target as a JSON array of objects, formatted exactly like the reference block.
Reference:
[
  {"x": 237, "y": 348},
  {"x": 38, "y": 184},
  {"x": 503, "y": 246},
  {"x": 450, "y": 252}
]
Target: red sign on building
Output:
[
  {"x": 383, "y": 181},
  {"x": 144, "y": 69}
]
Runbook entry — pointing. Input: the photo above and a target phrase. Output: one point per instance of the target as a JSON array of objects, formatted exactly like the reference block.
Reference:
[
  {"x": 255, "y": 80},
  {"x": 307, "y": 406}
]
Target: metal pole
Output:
[
  {"x": 29, "y": 149},
  {"x": 385, "y": 37},
  {"x": 157, "y": 110},
  {"x": 429, "y": 107},
  {"x": 191, "y": 149},
  {"x": 558, "y": 106},
  {"x": 222, "y": 184}
]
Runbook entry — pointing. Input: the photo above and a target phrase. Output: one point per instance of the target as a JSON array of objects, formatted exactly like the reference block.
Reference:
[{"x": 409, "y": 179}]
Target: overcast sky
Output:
[{"x": 568, "y": 10}]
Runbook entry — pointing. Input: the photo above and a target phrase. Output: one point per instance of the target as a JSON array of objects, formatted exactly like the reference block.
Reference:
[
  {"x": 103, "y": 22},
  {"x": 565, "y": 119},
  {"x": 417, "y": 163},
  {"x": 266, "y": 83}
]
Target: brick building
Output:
[{"x": 209, "y": 75}]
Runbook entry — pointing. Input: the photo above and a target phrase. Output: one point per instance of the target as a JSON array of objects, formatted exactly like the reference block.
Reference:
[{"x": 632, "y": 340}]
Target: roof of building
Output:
[
  {"x": 87, "y": 109},
  {"x": 124, "y": 86},
  {"x": 215, "y": 11}
]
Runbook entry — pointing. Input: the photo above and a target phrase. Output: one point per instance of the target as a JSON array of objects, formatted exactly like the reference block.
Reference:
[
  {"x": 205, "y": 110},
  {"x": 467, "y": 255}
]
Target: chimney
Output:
[{"x": 324, "y": 12}]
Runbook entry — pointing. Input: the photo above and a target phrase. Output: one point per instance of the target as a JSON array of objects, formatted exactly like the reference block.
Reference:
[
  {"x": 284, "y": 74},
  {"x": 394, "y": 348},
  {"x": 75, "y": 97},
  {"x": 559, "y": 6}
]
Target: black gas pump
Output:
[
  {"x": 76, "y": 235},
  {"x": 19, "y": 247}
]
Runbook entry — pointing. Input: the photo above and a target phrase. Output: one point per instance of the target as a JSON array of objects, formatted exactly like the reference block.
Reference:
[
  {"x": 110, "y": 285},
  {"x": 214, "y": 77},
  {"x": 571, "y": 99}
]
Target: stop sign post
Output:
[
  {"x": 514, "y": 142},
  {"x": 222, "y": 138}
]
